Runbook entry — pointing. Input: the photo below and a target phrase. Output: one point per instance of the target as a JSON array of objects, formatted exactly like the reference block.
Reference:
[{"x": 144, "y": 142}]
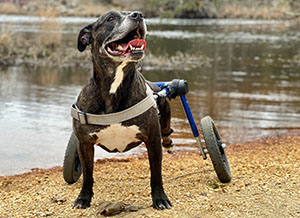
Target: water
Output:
[{"x": 251, "y": 87}]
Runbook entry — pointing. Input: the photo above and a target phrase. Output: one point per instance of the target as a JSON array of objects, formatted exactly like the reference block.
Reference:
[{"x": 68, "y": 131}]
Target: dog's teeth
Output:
[{"x": 132, "y": 48}]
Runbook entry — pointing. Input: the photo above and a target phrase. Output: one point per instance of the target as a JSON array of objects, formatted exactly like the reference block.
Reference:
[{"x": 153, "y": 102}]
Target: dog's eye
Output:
[{"x": 110, "y": 19}]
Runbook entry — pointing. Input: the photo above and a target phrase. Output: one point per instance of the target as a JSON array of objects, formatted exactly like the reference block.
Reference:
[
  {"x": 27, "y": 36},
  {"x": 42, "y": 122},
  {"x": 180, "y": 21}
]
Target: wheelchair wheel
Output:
[
  {"x": 72, "y": 166},
  {"x": 215, "y": 149}
]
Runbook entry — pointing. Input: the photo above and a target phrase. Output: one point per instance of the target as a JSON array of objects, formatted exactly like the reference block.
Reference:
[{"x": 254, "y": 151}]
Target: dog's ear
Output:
[{"x": 84, "y": 37}]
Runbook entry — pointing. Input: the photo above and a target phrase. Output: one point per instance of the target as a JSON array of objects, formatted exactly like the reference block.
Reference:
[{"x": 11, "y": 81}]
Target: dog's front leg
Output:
[
  {"x": 159, "y": 198},
  {"x": 86, "y": 155}
]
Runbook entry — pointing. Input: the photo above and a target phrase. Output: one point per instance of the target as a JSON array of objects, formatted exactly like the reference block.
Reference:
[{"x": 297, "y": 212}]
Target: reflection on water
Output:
[{"x": 251, "y": 89}]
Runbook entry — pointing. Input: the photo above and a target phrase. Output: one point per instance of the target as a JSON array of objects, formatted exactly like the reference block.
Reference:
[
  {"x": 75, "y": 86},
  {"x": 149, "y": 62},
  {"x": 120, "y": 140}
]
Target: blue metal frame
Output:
[
  {"x": 160, "y": 84},
  {"x": 164, "y": 87},
  {"x": 189, "y": 115}
]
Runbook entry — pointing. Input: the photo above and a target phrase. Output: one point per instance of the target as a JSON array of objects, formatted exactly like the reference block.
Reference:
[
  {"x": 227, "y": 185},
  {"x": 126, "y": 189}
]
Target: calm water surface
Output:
[{"x": 251, "y": 89}]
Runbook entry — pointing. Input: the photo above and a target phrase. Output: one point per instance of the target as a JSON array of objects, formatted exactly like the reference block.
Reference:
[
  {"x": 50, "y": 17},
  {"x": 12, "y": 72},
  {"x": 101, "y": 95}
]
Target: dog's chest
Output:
[{"x": 116, "y": 136}]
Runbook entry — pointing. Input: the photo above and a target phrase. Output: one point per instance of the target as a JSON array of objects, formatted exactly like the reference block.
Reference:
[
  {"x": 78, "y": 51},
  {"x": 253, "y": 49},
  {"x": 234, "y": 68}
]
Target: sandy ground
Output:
[{"x": 266, "y": 183}]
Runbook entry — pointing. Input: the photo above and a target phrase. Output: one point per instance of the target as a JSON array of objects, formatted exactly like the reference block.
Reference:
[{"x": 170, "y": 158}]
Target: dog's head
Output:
[{"x": 119, "y": 36}]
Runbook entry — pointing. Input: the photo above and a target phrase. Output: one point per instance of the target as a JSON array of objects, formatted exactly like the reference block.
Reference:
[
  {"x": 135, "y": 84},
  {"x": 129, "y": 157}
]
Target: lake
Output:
[{"x": 251, "y": 86}]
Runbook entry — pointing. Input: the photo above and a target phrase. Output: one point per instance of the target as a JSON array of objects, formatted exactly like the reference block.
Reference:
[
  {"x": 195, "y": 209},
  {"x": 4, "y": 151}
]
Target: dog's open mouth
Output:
[{"x": 133, "y": 42}]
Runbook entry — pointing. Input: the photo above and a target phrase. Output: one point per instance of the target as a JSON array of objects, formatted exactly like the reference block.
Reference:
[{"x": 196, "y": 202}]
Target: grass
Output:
[
  {"x": 255, "y": 12},
  {"x": 90, "y": 9},
  {"x": 8, "y": 8},
  {"x": 7, "y": 41},
  {"x": 296, "y": 59},
  {"x": 179, "y": 60},
  {"x": 50, "y": 30},
  {"x": 47, "y": 48},
  {"x": 44, "y": 48},
  {"x": 257, "y": 9}
]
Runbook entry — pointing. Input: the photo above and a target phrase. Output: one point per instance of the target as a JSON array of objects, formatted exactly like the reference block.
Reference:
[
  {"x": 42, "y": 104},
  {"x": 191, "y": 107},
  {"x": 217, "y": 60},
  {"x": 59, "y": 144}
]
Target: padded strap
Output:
[{"x": 118, "y": 117}]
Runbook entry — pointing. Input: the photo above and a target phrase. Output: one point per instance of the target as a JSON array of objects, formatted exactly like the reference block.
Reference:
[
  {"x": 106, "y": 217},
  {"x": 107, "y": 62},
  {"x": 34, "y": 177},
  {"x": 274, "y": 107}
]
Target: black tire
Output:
[
  {"x": 72, "y": 166},
  {"x": 216, "y": 152}
]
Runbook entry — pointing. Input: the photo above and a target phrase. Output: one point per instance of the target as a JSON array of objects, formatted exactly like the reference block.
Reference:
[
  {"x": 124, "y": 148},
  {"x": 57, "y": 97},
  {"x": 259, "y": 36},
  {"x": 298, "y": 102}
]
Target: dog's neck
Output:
[
  {"x": 112, "y": 76},
  {"x": 115, "y": 81}
]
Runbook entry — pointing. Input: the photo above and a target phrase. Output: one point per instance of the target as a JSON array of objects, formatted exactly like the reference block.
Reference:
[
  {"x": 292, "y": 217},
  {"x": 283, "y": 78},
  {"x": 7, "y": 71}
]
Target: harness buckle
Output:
[{"x": 82, "y": 117}]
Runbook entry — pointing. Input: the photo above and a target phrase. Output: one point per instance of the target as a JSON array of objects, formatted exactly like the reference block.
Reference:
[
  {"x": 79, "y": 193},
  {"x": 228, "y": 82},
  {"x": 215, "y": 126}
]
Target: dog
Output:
[{"x": 117, "y": 42}]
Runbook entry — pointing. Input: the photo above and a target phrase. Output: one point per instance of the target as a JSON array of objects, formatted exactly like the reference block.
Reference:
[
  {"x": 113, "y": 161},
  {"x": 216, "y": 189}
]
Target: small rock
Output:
[{"x": 56, "y": 199}]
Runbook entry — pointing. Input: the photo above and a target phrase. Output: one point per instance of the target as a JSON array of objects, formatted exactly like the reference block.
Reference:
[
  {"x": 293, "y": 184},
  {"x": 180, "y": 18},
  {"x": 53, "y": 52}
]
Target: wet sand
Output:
[{"x": 265, "y": 183}]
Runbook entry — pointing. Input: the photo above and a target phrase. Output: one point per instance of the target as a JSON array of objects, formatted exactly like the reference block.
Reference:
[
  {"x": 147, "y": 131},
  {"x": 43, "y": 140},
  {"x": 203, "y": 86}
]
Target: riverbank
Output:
[
  {"x": 265, "y": 183},
  {"x": 48, "y": 46},
  {"x": 50, "y": 49},
  {"x": 258, "y": 9}
]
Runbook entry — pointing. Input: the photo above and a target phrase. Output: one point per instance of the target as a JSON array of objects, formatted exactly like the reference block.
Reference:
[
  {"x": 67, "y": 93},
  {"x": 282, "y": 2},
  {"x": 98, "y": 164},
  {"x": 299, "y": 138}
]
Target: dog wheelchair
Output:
[{"x": 213, "y": 144}]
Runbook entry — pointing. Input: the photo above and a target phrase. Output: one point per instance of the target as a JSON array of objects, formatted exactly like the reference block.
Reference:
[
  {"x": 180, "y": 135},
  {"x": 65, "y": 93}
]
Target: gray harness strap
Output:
[{"x": 118, "y": 117}]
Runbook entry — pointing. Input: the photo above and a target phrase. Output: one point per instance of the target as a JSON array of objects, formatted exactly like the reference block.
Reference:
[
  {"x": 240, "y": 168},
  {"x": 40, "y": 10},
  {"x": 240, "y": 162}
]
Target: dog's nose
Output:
[{"x": 136, "y": 15}]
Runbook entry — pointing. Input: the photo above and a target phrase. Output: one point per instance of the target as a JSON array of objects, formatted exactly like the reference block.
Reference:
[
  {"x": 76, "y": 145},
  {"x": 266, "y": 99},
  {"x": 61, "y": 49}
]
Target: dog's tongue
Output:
[
  {"x": 137, "y": 43},
  {"x": 125, "y": 49},
  {"x": 134, "y": 45}
]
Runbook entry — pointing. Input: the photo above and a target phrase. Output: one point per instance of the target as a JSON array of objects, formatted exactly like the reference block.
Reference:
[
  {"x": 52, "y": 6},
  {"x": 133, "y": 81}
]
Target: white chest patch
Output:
[
  {"x": 118, "y": 78},
  {"x": 117, "y": 136}
]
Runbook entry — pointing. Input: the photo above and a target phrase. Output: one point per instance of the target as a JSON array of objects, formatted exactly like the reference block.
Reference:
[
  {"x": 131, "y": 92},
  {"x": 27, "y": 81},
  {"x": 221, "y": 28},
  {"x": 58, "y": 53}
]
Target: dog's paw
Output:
[
  {"x": 81, "y": 203},
  {"x": 167, "y": 142},
  {"x": 161, "y": 201}
]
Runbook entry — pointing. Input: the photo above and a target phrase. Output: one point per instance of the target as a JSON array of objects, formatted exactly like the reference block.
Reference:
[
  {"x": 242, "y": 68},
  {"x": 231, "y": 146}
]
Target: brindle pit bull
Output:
[{"x": 117, "y": 42}]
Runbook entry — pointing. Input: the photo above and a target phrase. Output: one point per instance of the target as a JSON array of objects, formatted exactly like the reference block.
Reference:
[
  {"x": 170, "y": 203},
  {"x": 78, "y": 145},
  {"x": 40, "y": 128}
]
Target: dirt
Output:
[{"x": 265, "y": 183}]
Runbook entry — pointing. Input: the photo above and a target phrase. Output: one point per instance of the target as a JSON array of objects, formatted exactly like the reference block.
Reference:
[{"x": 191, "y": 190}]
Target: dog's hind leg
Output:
[
  {"x": 165, "y": 122},
  {"x": 153, "y": 144},
  {"x": 86, "y": 155},
  {"x": 165, "y": 117}
]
